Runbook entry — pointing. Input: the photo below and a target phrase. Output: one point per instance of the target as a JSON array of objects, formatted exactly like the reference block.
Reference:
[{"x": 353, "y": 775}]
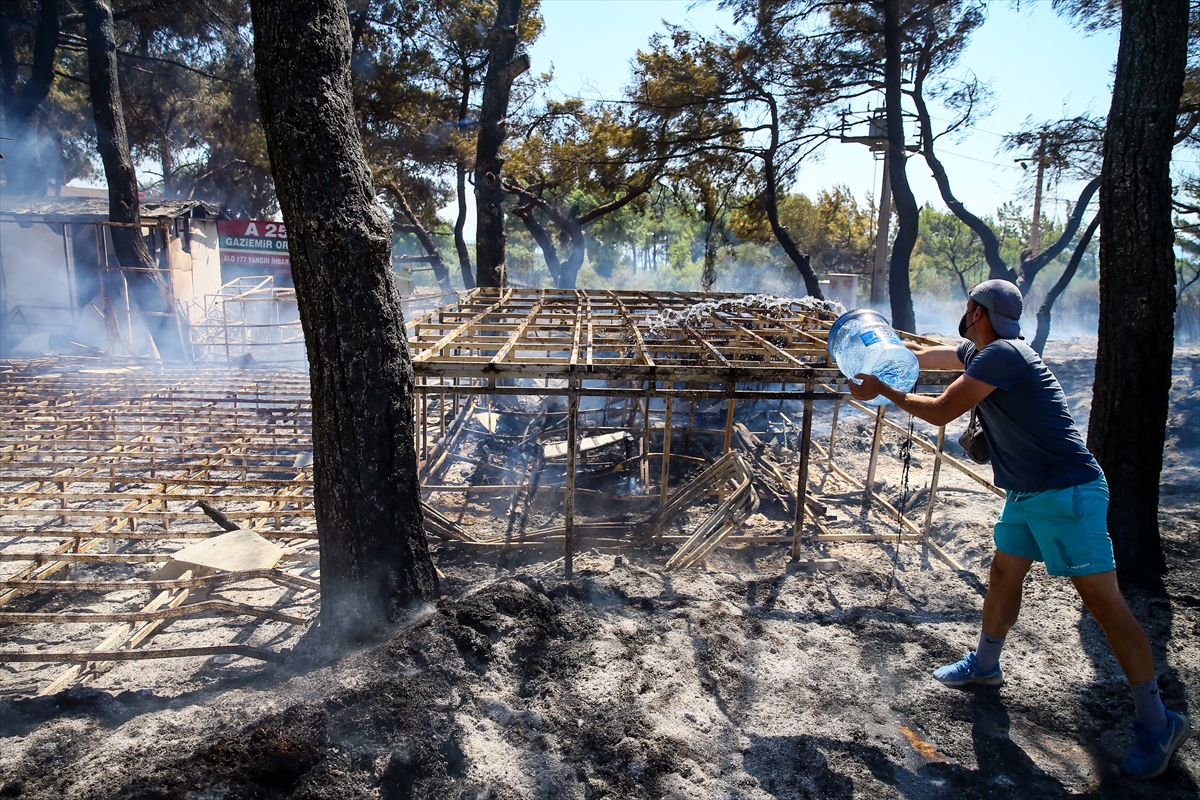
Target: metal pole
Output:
[
  {"x": 666, "y": 453},
  {"x": 644, "y": 467},
  {"x": 868, "y": 489},
  {"x": 424, "y": 424},
  {"x": 802, "y": 475},
  {"x": 728, "y": 420},
  {"x": 933, "y": 482},
  {"x": 569, "y": 502},
  {"x": 837, "y": 407}
]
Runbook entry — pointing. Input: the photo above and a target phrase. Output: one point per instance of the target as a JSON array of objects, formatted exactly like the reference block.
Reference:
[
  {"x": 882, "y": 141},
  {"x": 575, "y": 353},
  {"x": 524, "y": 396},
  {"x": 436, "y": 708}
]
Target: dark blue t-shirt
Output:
[{"x": 1032, "y": 438}]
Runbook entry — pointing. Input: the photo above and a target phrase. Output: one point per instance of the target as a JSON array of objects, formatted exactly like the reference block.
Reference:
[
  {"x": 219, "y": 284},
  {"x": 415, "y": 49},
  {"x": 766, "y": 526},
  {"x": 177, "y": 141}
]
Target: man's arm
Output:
[
  {"x": 959, "y": 397},
  {"x": 941, "y": 356}
]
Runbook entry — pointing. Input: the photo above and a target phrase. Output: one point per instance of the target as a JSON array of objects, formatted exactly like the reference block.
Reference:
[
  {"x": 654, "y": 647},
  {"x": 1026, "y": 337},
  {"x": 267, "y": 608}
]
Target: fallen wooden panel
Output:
[
  {"x": 729, "y": 474},
  {"x": 770, "y": 474},
  {"x": 559, "y": 449},
  {"x": 235, "y": 551}
]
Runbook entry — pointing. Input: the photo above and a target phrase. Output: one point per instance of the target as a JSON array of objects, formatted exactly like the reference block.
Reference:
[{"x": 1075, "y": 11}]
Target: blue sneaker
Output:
[
  {"x": 967, "y": 671},
  {"x": 1152, "y": 750}
]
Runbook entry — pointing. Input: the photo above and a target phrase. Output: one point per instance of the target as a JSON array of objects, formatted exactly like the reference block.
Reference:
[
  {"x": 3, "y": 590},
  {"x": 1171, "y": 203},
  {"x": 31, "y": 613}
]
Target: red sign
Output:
[{"x": 254, "y": 243}]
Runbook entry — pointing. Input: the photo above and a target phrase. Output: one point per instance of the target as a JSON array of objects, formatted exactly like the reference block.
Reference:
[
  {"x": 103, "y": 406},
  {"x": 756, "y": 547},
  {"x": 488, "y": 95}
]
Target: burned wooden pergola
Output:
[
  {"x": 546, "y": 420},
  {"x": 644, "y": 358}
]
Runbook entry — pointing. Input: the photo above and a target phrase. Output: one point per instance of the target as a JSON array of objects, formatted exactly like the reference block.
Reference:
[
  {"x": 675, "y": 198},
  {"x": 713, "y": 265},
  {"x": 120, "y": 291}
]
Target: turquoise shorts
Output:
[{"x": 1066, "y": 528}]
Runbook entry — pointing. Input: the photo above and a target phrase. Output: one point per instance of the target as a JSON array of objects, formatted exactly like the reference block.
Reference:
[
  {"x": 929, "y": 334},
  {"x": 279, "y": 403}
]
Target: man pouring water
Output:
[{"x": 1056, "y": 507}]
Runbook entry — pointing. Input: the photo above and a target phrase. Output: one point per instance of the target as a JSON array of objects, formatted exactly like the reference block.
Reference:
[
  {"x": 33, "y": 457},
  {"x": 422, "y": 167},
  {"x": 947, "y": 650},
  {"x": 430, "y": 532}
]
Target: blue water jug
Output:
[{"x": 862, "y": 342}]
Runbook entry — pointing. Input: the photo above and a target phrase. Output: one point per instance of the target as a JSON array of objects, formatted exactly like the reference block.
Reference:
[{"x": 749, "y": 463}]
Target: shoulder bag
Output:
[{"x": 973, "y": 440}]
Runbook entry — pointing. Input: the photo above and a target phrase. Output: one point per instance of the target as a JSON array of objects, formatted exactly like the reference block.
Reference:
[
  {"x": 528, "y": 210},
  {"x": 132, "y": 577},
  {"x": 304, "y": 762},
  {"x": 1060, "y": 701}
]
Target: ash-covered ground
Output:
[{"x": 745, "y": 678}]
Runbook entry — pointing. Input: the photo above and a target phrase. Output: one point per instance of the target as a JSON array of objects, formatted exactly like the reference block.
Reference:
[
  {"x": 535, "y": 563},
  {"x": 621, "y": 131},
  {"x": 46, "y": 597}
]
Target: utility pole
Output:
[
  {"x": 879, "y": 271},
  {"x": 1035, "y": 230},
  {"x": 876, "y": 139}
]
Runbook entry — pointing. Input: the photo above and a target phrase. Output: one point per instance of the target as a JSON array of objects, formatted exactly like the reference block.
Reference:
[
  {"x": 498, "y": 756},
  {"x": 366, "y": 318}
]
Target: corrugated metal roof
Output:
[{"x": 97, "y": 207}]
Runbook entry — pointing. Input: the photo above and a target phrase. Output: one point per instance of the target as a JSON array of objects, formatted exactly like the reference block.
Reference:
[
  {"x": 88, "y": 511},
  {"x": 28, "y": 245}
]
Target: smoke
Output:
[
  {"x": 38, "y": 301},
  {"x": 1076, "y": 313}
]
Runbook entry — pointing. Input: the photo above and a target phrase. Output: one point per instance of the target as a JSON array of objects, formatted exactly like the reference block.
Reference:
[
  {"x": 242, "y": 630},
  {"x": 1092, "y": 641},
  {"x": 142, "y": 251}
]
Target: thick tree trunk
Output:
[
  {"x": 31, "y": 162},
  {"x": 569, "y": 271},
  {"x": 708, "y": 277},
  {"x": 907, "y": 213},
  {"x": 1137, "y": 279},
  {"x": 374, "y": 556},
  {"x": 502, "y": 70},
  {"x": 167, "y": 160}
]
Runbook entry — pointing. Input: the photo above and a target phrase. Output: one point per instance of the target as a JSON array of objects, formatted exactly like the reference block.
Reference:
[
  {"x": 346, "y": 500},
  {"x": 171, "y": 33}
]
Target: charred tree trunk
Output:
[
  {"x": 987, "y": 237},
  {"x": 111, "y": 138},
  {"x": 146, "y": 285},
  {"x": 1043, "y": 314},
  {"x": 708, "y": 278},
  {"x": 907, "y": 213},
  {"x": 460, "y": 223},
  {"x": 374, "y": 556},
  {"x": 460, "y": 169},
  {"x": 1032, "y": 263},
  {"x": 564, "y": 273},
  {"x": 1137, "y": 279},
  {"x": 28, "y": 166},
  {"x": 502, "y": 70},
  {"x": 799, "y": 258},
  {"x": 570, "y": 268},
  {"x": 570, "y": 223},
  {"x": 525, "y": 213},
  {"x": 771, "y": 201},
  {"x": 440, "y": 273}
]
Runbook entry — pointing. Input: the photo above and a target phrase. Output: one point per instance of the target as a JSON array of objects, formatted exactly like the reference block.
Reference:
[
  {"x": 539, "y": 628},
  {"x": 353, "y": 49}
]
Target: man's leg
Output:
[
  {"x": 1158, "y": 733},
  {"x": 1128, "y": 641},
  {"x": 1001, "y": 606},
  {"x": 1003, "y": 601}
]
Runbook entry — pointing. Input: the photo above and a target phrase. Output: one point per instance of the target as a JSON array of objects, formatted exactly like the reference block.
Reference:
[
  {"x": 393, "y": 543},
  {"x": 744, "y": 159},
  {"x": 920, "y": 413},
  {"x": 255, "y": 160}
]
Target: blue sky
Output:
[{"x": 1037, "y": 65}]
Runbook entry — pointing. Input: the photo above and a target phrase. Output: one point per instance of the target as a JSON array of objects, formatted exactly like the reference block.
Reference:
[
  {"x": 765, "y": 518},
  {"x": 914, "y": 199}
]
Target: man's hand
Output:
[
  {"x": 958, "y": 398},
  {"x": 941, "y": 356},
  {"x": 868, "y": 387}
]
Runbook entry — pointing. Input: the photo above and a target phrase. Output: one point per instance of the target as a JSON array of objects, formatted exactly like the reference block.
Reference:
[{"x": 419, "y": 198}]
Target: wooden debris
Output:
[
  {"x": 236, "y": 551},
  {"x": 219, "y": 518},
  {"x": 53, "y": 657},
  {"x": 730, "y": 472}
]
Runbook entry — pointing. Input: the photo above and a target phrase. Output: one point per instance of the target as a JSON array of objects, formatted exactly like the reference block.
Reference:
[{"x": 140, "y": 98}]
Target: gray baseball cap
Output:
[{"x": 1003, "y": 301}]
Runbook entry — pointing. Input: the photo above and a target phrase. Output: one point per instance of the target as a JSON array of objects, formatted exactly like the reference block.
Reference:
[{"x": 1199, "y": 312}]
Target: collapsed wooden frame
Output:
[{"x": 92, "y": 453}]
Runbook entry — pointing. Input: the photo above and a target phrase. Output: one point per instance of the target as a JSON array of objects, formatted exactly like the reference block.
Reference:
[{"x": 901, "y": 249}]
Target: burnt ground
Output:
[{"x": 745, "y": 678}]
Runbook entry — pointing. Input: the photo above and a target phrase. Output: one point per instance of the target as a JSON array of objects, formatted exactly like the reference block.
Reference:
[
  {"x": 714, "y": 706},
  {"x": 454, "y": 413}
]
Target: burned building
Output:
[{"x": 53, "y": 254}]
